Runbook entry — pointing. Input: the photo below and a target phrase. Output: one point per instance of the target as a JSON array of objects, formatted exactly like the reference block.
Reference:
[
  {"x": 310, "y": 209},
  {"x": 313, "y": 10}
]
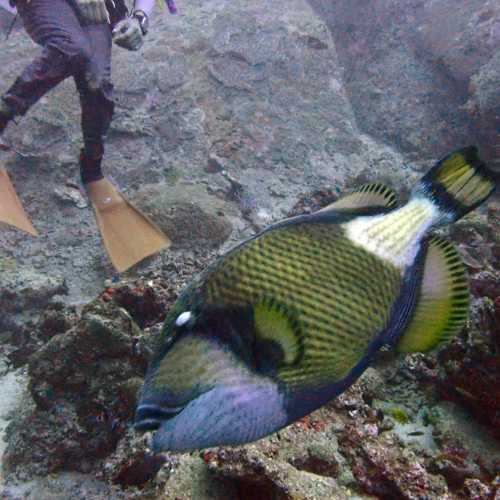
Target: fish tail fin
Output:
[{"x": 458, "y": 183}]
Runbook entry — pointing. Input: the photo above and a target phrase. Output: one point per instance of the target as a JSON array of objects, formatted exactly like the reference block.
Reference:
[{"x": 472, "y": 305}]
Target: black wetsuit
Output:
[{"x": 70, "y": 48}]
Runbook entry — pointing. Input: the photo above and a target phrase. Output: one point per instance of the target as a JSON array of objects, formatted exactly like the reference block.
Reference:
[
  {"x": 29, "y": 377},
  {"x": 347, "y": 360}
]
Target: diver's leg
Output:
[
  {"x": 116, "y": 217},
  {"x": 55, "y": 26},
  {"x": 96, "y": 97}
]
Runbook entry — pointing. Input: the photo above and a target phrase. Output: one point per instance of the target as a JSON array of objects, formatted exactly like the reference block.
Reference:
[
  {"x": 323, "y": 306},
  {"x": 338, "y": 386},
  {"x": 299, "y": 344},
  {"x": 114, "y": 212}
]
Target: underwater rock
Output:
[
  {"x": 312, "y": 202},
  {"x": 40, "y": 443},
  {"x": 191, "y": 480},
  {"x": 483, "y": 105},
  {"x": 457, "y": 37},
  {"x": 200, "y": 222},
  {"x": 494, "y": 224},
  {"x": 147, "y": 301},
  {"x": 465, "y": 451},
  {"x": 454, "y": 469},
  {"x": 133, "y": 465},
  {"x": 14, "y": 389},
  {"x": 385, "y": 469},
  {"x": 476, "y": 490},
  {"x": 54, "y": 320},
  {"x": 256, "y": 475},
  {"x": 24, "y": 295},
  {"x": 472, "y": 367},
  {"x": 84, "y": 383},
  {"x": 319, "y": 460},
  {"x": 397, "y": 93},
  {"x": 62, "y": 486},
  {"x": 408, "y": 66}
]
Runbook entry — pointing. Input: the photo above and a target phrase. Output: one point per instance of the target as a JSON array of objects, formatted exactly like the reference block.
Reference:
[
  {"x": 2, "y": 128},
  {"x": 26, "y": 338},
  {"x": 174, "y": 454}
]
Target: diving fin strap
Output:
[
  {"x": 374, "y": 194},
  {"x": 443, "y": 302},
  {"x": 11, "y": 209},
  {"x": 129, "y": 236}
]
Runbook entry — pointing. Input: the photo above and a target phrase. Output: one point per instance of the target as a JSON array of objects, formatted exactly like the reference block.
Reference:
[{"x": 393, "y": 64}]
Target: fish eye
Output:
[{"x": 183, "y": 318}]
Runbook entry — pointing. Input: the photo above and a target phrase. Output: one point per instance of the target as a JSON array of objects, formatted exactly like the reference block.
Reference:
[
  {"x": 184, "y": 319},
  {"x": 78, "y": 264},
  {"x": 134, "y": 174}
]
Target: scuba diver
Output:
[{"x": 76, "y": 38}]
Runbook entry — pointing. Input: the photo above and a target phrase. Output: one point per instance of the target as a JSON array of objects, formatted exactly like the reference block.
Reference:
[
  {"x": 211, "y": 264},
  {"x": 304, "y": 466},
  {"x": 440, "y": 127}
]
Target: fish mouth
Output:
[{"x": 149, "y": 417}]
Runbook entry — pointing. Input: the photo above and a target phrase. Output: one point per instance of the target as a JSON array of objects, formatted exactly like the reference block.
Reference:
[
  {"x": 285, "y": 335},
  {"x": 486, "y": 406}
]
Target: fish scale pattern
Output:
[{"x": 337, "y": 295}]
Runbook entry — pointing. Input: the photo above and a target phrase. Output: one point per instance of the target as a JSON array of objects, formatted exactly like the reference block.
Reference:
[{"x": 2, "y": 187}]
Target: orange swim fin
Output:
[
  {"x": 128, "y": 235},
  {"x": 11, "y": 209}
]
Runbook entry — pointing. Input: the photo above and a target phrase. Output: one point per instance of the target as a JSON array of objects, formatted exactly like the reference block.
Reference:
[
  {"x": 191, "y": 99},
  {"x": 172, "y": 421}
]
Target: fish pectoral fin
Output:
[
  {"x": 278, "y": 335},
  {"x": 371, "y": 195},
  {"x": 443, "y": 303}
]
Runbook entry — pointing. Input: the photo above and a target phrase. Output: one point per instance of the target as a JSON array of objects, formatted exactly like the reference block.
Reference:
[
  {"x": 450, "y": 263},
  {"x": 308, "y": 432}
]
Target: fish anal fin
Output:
[
  {"x": 442, "y": 307},
  {"x": 372, "y": 195}
]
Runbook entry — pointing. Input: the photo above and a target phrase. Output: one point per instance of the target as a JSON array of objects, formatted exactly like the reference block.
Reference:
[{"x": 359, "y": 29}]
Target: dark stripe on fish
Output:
[{"x": 305, "y": 400}]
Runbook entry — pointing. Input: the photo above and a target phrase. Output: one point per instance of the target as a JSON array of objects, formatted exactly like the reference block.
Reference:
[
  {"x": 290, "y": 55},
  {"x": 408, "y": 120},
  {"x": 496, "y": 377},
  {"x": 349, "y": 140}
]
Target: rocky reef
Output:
[
  {"x": 233, "y": 115},
  {"x": 417, "y": 427}
]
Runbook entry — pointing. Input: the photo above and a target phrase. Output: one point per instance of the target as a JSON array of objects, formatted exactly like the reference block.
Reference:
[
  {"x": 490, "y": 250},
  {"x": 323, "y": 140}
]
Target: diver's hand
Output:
[
  {"x": 93, "y": 11},
  {"x": 128, "y": 34}
]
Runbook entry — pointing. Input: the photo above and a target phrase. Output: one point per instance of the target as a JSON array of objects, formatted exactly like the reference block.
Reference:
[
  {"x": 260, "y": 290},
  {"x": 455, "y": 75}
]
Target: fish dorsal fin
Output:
[
  {"x": 372, "y": 195},
  {"x": 275, "y": 324},
  {"x": 443, "y": 304}
]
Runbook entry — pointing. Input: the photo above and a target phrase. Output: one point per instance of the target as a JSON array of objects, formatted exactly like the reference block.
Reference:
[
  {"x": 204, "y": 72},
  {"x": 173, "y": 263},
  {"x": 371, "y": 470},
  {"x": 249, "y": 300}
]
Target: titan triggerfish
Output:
[{"x": 290, "y": 318}]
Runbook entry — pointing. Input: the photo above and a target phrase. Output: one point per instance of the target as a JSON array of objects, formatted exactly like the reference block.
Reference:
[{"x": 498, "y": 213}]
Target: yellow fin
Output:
[
  {"x": 442, "y": 307},
  {"x": 273, "y": 324},
  {"x": 11, "y": 208},
  {"x": 128, "y": 235},
  {"x": 374, "y": 194}
]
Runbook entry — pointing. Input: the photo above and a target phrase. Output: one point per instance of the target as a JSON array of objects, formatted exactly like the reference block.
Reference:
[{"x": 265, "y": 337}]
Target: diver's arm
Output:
[
  {"x": 129, "y": 32},
  {"x": 5, "y": 4},
  {"x": 146, "y": 6}
]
